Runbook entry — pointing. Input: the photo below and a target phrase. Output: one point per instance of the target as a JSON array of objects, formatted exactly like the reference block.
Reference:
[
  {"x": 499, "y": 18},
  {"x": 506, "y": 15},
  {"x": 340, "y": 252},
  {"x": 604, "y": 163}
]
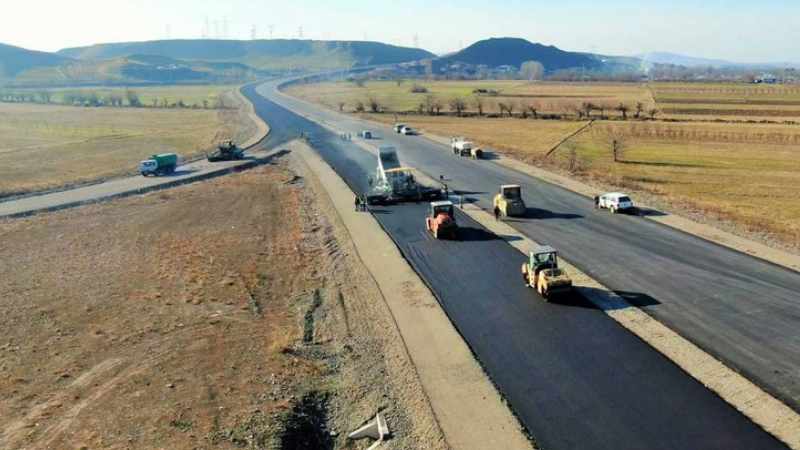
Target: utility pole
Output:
[
  {"x": 271, "y": 30},
  {"x": 168, "y": 32},
  {"x": 225, "y": 28},
  {"x": 253, "y": 33},
  {"x": 300, "y": 32},
  {"x": 416, "y": 40}
]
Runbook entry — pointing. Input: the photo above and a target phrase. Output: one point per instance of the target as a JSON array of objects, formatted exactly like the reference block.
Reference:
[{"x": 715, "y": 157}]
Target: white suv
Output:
[{"x": 614, "y": 202}]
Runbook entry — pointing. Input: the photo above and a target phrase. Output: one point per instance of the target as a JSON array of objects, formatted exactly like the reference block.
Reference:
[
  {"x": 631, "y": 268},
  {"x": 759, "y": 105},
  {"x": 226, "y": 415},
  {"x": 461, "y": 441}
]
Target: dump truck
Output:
[
  {"x": 542, "y": 273},
  {"x": 509, "y": 201},
  {"x": 160, "y": 164},
  {"x": 395, "y": 183},
  {"x": 441, "y": 220},
  {"x": 226, "y": 151}
]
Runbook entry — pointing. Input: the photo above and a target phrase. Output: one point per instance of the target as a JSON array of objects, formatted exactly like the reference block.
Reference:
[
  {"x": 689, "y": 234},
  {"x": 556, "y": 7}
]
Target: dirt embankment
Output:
[{"x": 224, "y": 314}]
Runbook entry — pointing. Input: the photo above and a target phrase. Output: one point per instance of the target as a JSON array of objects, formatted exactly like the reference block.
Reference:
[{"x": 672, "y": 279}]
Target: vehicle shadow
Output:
[
  {"x": 647, "y": 212},
  {"x": 638, "y": 299},
  {"x": 489, "y": 155},
  {"x": 537, "y": 213},
  {"x": 469, "y": 234},
  {"x": 179, "y": 173}
]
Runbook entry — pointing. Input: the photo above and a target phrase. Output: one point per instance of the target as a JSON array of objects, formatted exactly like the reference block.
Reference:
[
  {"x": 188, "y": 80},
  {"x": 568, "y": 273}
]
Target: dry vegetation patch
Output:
[
  {"x": 50, "y": 146},
  {"x": 224, "y": 314}
]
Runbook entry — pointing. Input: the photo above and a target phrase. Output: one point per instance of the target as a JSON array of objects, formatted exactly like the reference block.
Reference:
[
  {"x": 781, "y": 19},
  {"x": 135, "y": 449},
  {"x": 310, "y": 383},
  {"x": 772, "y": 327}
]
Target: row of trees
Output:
[
  {"x": 433, "y": 105},
  {"x": 128, "y": 98}
]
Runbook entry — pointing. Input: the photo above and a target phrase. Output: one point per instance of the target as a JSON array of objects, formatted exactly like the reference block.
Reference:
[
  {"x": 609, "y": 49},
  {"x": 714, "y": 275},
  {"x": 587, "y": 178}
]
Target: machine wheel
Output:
[{"x": 613, "y": 210}]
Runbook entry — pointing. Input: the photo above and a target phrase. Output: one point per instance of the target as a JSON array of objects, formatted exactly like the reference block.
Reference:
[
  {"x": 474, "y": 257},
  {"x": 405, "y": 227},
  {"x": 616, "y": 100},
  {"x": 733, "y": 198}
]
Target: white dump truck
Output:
[{"x": 462, "y": 147}]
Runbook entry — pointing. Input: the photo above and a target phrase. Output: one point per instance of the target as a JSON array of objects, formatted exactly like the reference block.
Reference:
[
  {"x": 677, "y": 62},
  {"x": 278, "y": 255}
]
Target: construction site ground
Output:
[{"x": 232, "y": 313}]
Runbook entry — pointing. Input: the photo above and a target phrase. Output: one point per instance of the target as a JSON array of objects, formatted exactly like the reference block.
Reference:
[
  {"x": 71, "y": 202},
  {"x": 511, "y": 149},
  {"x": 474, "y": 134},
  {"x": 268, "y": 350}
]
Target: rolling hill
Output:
[
  {"x": 273, "y": 54},
  {"x": 15, "y": 60},
  {"x": 496, "y": 52}
]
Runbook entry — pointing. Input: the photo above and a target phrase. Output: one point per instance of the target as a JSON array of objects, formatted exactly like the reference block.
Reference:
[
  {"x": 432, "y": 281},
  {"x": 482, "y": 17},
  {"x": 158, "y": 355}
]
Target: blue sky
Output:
[{"x": 753, "y": 31}]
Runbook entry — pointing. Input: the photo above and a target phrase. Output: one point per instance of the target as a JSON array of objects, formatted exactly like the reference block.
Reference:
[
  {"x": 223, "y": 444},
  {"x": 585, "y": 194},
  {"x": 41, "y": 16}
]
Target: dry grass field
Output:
[
  {"x": 247, "y": 323},
  {"x": 547, "y": 97},
  {"x": 50, "y": 146},
  {"x": 744, "y": 175}
]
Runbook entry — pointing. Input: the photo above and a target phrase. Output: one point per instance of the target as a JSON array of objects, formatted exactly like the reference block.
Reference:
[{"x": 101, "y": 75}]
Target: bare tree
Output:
[
  {"x": 133, "y": 98},
  {"x": 359, "y": 82},
  {"x": 478, "y": 102},
  {"x": 587, "y": 108},
  {"x": 639, "y": 109},
  {"x": 44, "y": 96},
  {"x": 359, "y": 106},
  {"x": 374, "y": 105},
  {"x": 430, "y": 100},
  {"x": 575, "y": 164},
  {"x": 341, "y": 106},
  {"x": 457, "y": 105},
  {"x": 399, "y": 81},
  {"x": 623, "y": 109},
  {"x": 437, "y": 106},
  {"x": 652, "y": 113},
  {"x": 510, "y": 109},
  {"x": 533, "y": 109},
  {"x": 615, "y": 139},
  {"x": 532, "y": 70}
]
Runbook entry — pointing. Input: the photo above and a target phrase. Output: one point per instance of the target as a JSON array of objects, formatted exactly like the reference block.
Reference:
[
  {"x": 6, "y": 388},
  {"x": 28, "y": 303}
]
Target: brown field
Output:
[
  {"x": 742, "y": 176},
  {"x": 683, "y": 101},
  {"x": 47, "y": 146},
  {"x": 228, "y": 326}
]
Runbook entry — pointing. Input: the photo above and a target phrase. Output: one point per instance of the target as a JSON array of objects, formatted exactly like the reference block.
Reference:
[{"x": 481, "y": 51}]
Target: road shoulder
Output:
[{"x": 467, "y": 407}]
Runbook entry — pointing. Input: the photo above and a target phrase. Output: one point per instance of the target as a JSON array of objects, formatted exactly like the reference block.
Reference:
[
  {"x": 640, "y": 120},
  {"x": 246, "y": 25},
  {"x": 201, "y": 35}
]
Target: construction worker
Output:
[{"x": 496, "y": 213}]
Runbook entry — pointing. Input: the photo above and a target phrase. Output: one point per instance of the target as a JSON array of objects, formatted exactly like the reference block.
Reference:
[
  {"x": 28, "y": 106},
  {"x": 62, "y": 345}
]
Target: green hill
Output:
[
  {"x": 273, "y": 54},
  {"x": 15, "y": 60}
]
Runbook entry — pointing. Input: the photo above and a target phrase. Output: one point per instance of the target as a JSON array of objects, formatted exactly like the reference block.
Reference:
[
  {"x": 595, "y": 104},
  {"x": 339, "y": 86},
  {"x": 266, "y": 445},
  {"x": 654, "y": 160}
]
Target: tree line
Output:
[{"x": 129, "y": 98}]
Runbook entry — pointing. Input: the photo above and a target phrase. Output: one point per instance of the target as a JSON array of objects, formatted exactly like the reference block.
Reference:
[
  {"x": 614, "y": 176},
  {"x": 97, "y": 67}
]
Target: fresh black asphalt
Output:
[{"x": 574, "y": 377}]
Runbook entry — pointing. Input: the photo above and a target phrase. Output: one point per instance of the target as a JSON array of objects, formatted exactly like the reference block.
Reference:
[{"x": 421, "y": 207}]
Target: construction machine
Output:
[
  {"x": 395, "y": 183},
  {"x": 509, "y": 200},
  {"x": 542, "y": 273},
  {"x": 441, "y": 220},
  {"x": 226, "y": 151}
]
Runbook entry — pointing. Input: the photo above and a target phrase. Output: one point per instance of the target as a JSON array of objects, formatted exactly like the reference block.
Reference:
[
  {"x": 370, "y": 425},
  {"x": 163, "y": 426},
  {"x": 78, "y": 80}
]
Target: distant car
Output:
[
  {"x": 408, "y": 131},
  {"x": 398, "y": 127},
  {"x": 615, "y": 202},
  {"x": 366, "y": 134}
]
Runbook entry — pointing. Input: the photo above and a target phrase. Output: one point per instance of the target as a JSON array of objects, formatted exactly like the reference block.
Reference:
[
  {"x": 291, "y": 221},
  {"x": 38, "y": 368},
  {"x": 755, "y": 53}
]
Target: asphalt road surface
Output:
[
  {"x": 574, "y": 377},
  {"x": 741, "y": 309}
]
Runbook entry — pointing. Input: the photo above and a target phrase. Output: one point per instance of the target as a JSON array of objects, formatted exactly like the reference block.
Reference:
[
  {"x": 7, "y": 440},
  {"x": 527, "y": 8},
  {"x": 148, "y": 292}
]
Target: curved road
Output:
[{"x": 574, "y": 377}]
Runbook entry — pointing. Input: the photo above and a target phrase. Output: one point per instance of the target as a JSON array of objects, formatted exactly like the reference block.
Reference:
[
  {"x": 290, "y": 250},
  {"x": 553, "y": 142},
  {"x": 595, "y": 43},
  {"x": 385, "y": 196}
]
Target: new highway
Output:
[{"x": 573, "y": 376}]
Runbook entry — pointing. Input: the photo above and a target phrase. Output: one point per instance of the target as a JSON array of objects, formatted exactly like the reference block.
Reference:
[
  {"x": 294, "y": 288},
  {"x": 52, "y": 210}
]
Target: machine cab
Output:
[
  {"x": 544, "y": 257},
  {"x": 511, "y": 191},
  {"x": 443, "y": 207},
  {"x": 148, "y": 165}
]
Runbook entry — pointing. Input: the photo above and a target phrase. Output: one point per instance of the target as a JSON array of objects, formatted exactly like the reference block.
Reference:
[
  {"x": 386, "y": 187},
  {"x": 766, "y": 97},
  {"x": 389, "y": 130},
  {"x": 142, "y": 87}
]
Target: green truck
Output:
[{"x": 160, "y": 164}]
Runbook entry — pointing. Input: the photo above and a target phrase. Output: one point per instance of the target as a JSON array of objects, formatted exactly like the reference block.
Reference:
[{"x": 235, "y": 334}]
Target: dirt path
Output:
[{"x": 225, "y": 314}]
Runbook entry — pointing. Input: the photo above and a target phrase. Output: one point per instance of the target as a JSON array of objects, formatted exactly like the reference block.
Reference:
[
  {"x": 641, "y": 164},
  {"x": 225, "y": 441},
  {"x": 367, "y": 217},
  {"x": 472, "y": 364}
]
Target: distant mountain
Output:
[
  {"x": 273, "y": 54},
  {"x": 496, "y": 52},
  {"x": 15, "y": 60},
  {"x": 683, "y": 60}
]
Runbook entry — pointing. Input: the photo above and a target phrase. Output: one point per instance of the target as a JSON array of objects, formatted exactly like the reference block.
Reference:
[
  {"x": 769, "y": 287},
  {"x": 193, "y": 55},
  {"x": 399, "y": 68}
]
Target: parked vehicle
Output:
[
  {"x": 615, "y": 202},
  {"x": 366, "y": 134},
  {"x": 160, "y": 164},
  {"x": 227, "y": 151},
  {"x": 408, "y": 131}
]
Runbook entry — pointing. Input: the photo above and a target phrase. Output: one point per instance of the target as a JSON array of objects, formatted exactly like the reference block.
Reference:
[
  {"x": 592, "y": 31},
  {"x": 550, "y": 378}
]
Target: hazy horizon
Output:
[{"x": 716, "y": 29}]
